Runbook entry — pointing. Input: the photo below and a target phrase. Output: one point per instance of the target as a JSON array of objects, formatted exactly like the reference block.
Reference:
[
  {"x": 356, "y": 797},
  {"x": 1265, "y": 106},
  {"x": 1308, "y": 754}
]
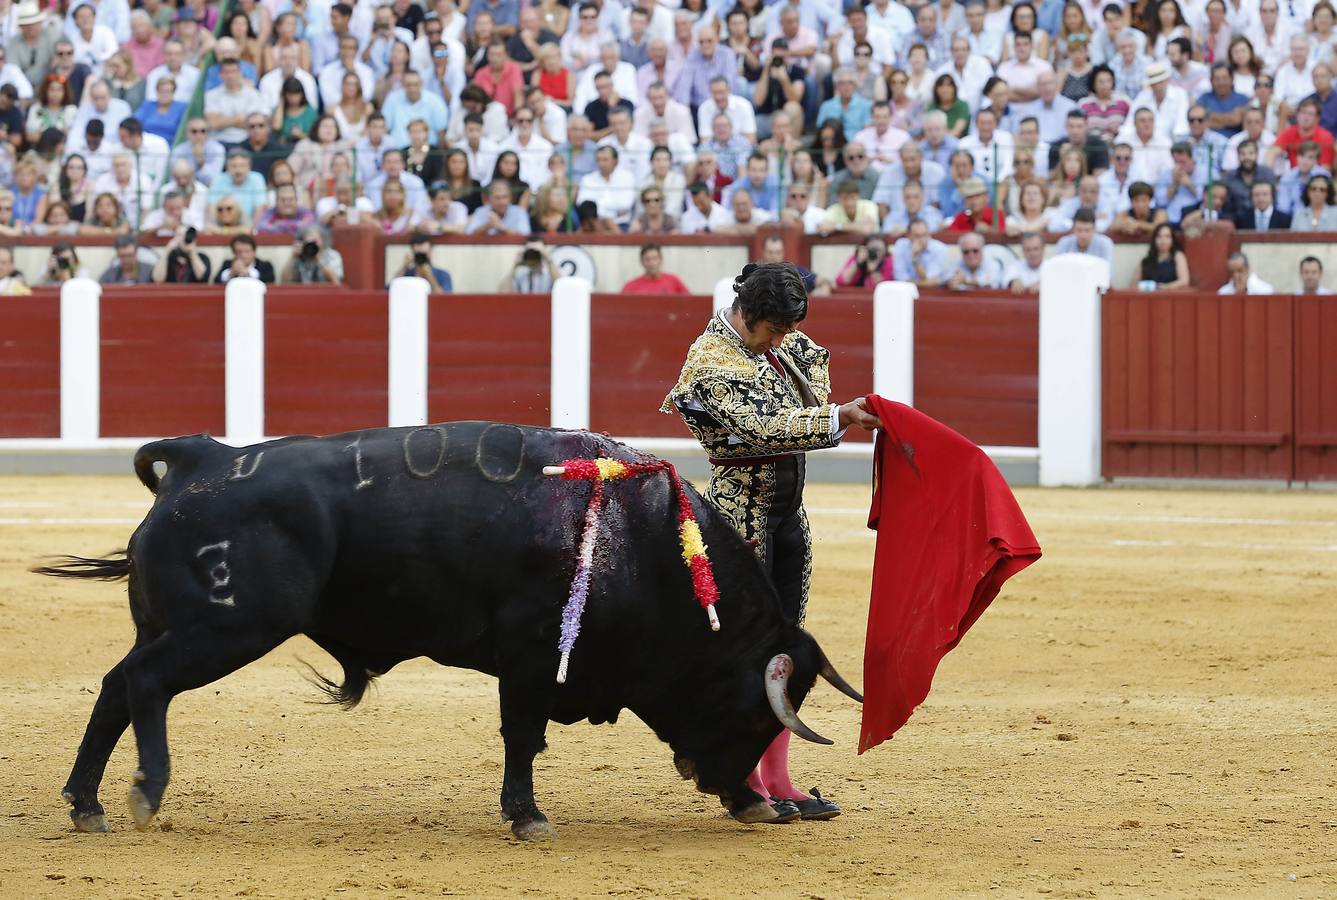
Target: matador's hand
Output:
[{"x": 856, "y": 413}]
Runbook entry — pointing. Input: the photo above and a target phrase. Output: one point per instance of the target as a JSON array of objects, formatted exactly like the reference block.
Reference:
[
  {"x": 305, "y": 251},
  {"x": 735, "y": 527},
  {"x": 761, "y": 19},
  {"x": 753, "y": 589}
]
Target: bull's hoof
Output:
[
  {"x": 755, "y": 813},
  {"x": 90, "y": 823},
  {"x": 534, "y": 830},
  {"x": 142, "y": 809}
]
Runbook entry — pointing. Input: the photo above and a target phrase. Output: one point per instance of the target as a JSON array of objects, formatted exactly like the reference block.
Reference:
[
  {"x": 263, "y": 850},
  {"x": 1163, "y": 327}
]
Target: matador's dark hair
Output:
[{"x": 771, "y": 292}]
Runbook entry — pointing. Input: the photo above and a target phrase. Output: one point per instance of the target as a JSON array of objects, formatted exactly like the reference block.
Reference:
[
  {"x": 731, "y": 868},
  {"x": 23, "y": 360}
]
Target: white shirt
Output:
[
  {"x": 153, "y": 153},
  {"x": 552, "y": 124},
  {"x": 271, "y": 87},
  {"x": 970, "y": 82},
  {"x": 660, "y": 25},
  {"x": 117, "y": 112},
  {"x": 482, "y": 160},
  {"x": 1275, "y": 51},
  {"x": 533, "y": 158},
  {"x": 97, "y": 49},
  {"x": 741, "y": 113},
  {"x": 882, "y": 148},
  {"x": 676, "y": 115},
  {"x": 1231, "y": 160},
  {"x": 884, "y": 52},
  {"x": 1171, "y": 114},
  {"x": 185, "y": 80},
  {"x": 614, "y": 195},
  {"x": 693, "y": 222},
  {"x": 1254, "y": 285},
  {"x": 12, "y": 74},
  {"x": 633, "y": 156},
  {"x": 993, "y": 161},
  {"x": 332, "y": 78},
  {"x": 1150, "y": 160},
  {"x": 1023, "y": 75},
  {"x": 135, "y": 196},
  {"x": 1021, "y": 271},
  {"x": 1291, "y": 85},
  {"x": 624, "y": 83}
]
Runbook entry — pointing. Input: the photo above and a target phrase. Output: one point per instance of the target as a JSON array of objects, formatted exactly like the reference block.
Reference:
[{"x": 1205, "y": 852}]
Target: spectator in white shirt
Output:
[
  {"x": 624, "y": 77},
  {"x": 99, "y": 104},
  {"x": 799, "y": 209},
  {"x": 174, "y": 65},
  {"x": 610, "y": 187},
  {"x": 633, "y": 150},
  {"x": 990, "y": 148},
  {"x": 660, "y": 105},
  {"x": 1311, "y": 277},
  {"x": 532, "y": 149},
  {"x": 134, "y": 194},
  {"x": 1294, "y": 79},
  {"x": 1024, "y": 276},
  {"x": 970, "y": 70},
  {"x": 1242, "y": 280},
  {"x": 741, "y": 114},
  {"x": 94, "y": 44},
  {"x": 271, "y": 84},
  {"x": 1022, "y": 70},
  {"x": 331, "y": 77},
  {"x": 227, "y": 106},
  {"x": 1151, "y": 152},
  {"x": 1270, "y": 35},
  {"x": 549, "y": 118},
  {"x": 703, "y": 215}
]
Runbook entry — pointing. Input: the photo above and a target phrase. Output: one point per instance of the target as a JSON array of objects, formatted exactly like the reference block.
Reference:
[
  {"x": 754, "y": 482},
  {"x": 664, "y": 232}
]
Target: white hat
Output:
[
  {"x": 1156, "y": 73},
  {"x": 30, "y": 13}
]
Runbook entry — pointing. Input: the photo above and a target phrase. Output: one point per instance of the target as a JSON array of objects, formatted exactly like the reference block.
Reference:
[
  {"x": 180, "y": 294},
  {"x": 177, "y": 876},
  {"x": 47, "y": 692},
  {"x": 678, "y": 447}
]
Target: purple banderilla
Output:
[{"x": 580, "y": 585}]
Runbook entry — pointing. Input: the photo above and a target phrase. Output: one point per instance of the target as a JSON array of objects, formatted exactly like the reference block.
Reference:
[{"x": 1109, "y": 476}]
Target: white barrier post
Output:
[
  {"x": 570, "y": 385},
  {"x": 244, "y": 355},
  {"x": 1070, "y": 355},
  {"x": 80, "y": 361},
  {"x": 724, "y": 295},
  {"x": 894, "y": 340},
  {"x": 408, "y": 351}
]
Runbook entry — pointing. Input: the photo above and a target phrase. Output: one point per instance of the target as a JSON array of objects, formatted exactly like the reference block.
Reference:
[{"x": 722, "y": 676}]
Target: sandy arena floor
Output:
[{"x": 1150, "y": 710}]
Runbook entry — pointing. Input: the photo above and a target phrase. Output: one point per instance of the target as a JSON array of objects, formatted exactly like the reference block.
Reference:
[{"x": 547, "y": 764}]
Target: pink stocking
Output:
[
  {"x": 754, "y": 782},
  {"x": 775, "y": 769}
]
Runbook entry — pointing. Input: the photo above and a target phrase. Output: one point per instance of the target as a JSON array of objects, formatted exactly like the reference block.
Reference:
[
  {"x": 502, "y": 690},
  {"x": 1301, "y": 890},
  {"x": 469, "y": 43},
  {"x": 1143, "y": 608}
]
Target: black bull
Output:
[{"x": 446, "y": 542}]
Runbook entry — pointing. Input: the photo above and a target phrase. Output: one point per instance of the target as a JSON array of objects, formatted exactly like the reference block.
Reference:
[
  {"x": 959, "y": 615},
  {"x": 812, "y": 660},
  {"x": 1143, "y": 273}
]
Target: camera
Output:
[
  {"x": 310, "y": 250},
  {"x": 531, "y": 258},
  {"x": 191, "y": 234},
  {"x": 420, "y": 259},
  {"x": 63, "y": 262}
]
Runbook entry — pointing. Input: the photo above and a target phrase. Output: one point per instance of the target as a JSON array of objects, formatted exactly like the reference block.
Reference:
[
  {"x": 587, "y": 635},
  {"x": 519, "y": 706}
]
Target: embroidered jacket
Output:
[{"x": 738, "y": 405}]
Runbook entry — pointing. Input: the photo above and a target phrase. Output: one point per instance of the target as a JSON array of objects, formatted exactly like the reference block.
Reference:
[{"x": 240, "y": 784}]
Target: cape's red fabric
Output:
[{"x": 949, "y": 533}]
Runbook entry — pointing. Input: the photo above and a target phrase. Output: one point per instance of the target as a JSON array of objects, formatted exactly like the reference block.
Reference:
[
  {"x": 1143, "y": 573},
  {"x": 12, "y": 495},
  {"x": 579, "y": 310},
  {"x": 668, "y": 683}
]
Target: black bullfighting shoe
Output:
[
  {"x": 785, "y": 811},
  {"x": 818, "y": 808}
]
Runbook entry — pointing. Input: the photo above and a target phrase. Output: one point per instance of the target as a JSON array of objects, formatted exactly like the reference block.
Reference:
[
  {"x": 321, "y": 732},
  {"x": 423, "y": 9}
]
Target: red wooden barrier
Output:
[
  {"x": 1197, "y": 385},
  {"x": 1315, "y": 388},
  {"x": 637, "y": 345},
  {"x": 977, "y": 364},
  {"x": 326, "y": 360},
  {"x": 162, "y": 361},
  {"x": 843, "y": 324},
  {"x": 30, "y": 365},
  {"x": 489, "y": 357}
]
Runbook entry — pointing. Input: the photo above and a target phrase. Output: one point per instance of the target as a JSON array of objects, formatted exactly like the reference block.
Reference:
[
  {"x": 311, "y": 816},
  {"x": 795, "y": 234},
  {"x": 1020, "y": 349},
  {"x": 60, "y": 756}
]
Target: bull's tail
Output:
[
  {"x": 357, "y": 679},
  {"x": 112, "y": 568}
]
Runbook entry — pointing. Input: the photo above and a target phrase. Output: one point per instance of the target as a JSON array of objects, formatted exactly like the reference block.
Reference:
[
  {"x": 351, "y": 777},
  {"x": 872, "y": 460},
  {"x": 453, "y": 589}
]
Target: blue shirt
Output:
[
  {"x": 1209, "y": 151},
  {"x": 481, "y": 221},
  {"x": 578, "y": 162},
  {"x": 933, "y": 258},
  {"x": 1101, "y": 247},
  {"x": 853, "y": 117},
  {"x": 1327, "y": 110},
  {"x": 250, "y": 196},
  {"x": 893, "y": 178},
  {"x": 1053, "y": 119},
  {"x": 213, "y": 78},
  {"x": 898, "y": 218},
  {"x": 1214, "y": 104},
  {"x": 214, "y": 157},
  {"x": 399, "y": 111},
  {"x": 1291, "y": 187},
  {"x": 1175, "y": 203},
  {"x": 766, "y": 197},
  {"x": 505, "y": 12},
  {"x": 164, "y": 125},
  {"x": 693, "y": 87},
  {"x": 942, "y": 154},
  {"x": 730, "y": 155}
]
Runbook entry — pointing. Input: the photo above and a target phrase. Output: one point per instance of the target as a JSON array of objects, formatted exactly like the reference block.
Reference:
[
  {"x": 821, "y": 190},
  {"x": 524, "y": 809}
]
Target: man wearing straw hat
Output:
[{"x": 33, "y": 48}]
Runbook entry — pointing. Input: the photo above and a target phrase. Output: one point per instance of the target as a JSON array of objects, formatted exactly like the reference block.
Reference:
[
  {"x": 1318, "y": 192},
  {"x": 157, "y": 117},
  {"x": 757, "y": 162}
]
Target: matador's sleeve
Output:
[
  {"x": 813, "y": 360},
  {"x": 765, "y": 419}
]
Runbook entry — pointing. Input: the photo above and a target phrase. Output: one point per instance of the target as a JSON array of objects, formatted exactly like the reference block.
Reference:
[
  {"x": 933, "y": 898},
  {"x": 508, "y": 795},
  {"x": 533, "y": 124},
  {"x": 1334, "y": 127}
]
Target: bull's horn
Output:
[
  {"x": 778, "y": 671},
  {"x": 829, "y": 672}
]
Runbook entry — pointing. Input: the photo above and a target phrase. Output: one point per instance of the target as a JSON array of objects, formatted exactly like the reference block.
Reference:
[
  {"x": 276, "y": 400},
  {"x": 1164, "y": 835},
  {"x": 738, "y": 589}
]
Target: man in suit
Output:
[
  {"x": 244, "y": 263},
  {"x": 1263, "y": 215}
]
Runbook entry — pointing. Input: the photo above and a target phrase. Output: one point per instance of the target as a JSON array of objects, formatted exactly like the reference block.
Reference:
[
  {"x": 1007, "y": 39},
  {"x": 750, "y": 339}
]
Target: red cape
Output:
[{"x": 949, "y": 533}]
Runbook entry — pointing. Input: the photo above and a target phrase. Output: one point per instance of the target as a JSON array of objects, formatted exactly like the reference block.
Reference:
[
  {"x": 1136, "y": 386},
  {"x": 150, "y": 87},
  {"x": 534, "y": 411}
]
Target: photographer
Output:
[
  {"x": 128, "y": 268},
  {"x": 312, "y": 262},
  {"x": 182, "y": 262},
  {"x": 419, "y": 263},
  {"x": 869, "y": 266},
  {"x": 63, "y": 264},
  {"x": 533, "y": 272},
  {"x": 780, "y": 87}
]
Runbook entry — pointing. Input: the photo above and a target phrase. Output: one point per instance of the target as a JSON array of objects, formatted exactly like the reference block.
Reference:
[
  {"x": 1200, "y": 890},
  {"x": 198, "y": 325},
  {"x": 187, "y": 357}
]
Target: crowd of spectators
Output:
[{"x": 886, "y": 121}]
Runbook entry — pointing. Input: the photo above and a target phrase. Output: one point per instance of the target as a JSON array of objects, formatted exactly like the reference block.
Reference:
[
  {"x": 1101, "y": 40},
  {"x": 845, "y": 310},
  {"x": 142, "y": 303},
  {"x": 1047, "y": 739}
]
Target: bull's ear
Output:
[{"x": 827, "y": 671}]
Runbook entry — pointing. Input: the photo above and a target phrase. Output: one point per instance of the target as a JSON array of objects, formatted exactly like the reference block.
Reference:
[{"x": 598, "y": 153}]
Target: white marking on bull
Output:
[
  {"x": 238, "y": 474},
  {"x": 362, "y": 480},
  {"x": 440, "y": 452},
  {"x": 220, "y": 573}
]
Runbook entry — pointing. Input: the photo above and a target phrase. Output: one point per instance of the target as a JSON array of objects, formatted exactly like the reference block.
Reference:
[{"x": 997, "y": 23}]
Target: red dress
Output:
[{"x": 555, "y": 85}]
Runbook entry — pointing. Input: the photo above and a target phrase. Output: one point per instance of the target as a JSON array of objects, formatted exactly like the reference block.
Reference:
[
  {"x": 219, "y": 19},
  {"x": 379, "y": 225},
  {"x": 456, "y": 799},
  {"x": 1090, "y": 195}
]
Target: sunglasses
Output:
[
  {"x": 855, "y": 156},
  {"x": 199, "y": 130},
  {"x": 1266, "y": 84},
  {"x": 863, "y": 53},
  {"x": 1197, "y": 118},
  {"x": 653, "y": 199},
  {"x": 64, "y": 53},
  {"x": 971, "y": 251},
  {"x": 529, "y": 120}
]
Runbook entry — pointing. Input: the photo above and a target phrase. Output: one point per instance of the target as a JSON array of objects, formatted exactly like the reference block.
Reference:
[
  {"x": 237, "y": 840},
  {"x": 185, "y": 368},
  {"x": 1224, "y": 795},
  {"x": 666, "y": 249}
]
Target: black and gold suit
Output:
[{"x": 756, "y": 421}]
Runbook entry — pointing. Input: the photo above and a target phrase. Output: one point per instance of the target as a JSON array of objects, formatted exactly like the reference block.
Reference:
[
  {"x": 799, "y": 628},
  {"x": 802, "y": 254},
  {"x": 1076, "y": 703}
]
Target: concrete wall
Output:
[{"x": 94, "y": 260}]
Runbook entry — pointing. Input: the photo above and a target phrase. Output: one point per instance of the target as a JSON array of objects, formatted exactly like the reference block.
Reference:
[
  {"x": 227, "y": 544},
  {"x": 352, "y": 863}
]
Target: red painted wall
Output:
[
  {"x": 489, "y": 357},
  {"x": 637, "y": 345},
  {"x": 1315, "y": 388},
  {"x": 843, "y": 324},
  {"x": 1197, "y": 385},
  {"x": 977, "y": 364},
  {"x": 162, "y": 361},
  {"x": 326, "y": 360},
  {"x": 30, "y": 365}
]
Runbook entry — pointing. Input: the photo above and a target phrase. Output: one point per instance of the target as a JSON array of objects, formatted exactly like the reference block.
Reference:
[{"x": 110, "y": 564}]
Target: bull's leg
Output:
[
  {"x": 111, "y": 716},
  {"x": 174, "y": 663},
  {"x": 524, "y": 720}
]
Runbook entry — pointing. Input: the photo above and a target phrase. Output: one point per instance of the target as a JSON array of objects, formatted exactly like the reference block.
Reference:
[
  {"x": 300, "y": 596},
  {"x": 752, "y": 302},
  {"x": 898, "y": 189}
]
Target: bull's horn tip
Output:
[
  {"x": 714, "y": 617},
  {"x": 554, "y": 470}
]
